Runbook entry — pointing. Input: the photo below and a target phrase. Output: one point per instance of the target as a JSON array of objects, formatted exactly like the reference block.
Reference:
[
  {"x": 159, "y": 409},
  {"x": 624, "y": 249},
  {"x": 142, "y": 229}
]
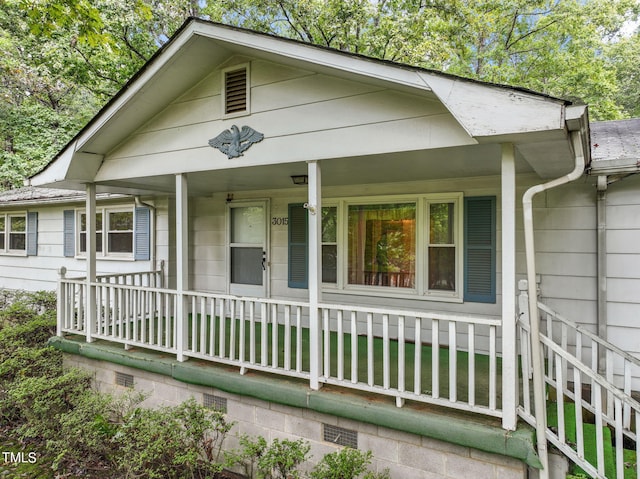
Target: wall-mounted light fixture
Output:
[
  {"x": 229, "y": 197},
  {"x": 300, "y": 179}
]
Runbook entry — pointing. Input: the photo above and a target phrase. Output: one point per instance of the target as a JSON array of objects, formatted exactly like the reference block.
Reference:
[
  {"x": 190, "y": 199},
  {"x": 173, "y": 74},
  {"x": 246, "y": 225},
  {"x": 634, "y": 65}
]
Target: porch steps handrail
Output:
[
  {"x": 582, "y": 330},
  {"x": 610, "y": 406},
  {"x": 624, "y": 419}
]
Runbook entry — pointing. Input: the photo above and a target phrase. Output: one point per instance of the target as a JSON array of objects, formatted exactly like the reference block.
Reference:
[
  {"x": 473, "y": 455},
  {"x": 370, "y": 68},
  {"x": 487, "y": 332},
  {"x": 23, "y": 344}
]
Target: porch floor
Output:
[{"x": 462, "y": 428}]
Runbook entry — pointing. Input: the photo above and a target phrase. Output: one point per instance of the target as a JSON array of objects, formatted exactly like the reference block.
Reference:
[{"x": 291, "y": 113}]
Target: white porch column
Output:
[
  {"x": 182, "y": 264},
  {"x": 314, "y": 207},
  {"x": 90, "y": 298},
  {"x": 509, "y": 354}
]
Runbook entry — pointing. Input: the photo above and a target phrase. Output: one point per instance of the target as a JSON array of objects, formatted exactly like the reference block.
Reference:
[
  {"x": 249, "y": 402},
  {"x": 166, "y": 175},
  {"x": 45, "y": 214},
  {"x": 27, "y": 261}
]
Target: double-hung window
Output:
[
  {"x": 18, "y": 233},
  {"x": 409, "y": 246},
  {"x": 120, "y": 232}
]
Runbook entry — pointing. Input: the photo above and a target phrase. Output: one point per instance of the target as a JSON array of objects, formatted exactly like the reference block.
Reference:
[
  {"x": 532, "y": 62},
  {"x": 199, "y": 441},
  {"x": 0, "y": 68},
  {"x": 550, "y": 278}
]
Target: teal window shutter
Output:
[
  {"x": 298, "y": 247},
  {"x": 480, "y": 249},
  {"x": 32, "y": 233},
  {"x": 69, "y": 233},
  {"x": 142, "y": 234}
]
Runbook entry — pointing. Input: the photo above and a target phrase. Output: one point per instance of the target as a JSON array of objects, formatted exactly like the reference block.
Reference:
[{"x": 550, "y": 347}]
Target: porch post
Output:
[
  {"x": 314, "y": 207},
  {"x": 90, "y": 296},
  {"x": 509, "y": 355},
  {"x": 182, "y": 264}
]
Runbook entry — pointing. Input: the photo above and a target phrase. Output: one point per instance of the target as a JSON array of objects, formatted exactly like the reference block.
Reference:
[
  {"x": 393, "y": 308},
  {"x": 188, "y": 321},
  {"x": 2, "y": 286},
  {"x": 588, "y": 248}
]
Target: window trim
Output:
[
  {"x": 420, "y": 289},
  {"x": 4, "y": 247},
  {"x": 104, "y": 253}
]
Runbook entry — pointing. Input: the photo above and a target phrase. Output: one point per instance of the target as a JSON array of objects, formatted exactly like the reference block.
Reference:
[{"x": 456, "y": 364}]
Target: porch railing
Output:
[
  {"x": 583, "y": 406},
  {"x": 419, "y": 356},
  {"x": 448, "y": 360}
]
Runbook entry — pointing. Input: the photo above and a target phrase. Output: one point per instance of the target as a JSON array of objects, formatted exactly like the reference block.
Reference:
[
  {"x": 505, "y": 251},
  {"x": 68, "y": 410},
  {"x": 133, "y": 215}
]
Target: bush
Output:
[
  {"x": 282, "y": 459},
  {"x": 346, "y": 463},
  {"x": 171, "y": 442},
  {"x": 248, "y": 456}
]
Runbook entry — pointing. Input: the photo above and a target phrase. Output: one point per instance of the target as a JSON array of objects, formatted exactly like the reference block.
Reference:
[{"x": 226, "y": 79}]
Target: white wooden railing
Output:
[
  {"x": 599, "y": 401},
  {"x": 420, "y": 352},
  {"x": 369, "y": 332}
]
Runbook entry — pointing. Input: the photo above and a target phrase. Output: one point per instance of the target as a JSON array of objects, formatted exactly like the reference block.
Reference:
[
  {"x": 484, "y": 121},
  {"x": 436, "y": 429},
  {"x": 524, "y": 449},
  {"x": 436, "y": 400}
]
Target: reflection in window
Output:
[
  {"x": 83, "y": 232},
  {"x": 17, "y": 232},
  {"x": 120, "y": 232},
  {"x": 329, "y": 244},
  {"x": 442, "y": 251},
  {"x": 382, "y": 245}
]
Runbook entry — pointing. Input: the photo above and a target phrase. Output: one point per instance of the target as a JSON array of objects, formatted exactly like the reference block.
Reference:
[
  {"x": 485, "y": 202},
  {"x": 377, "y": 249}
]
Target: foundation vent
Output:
[
  {"x": 216, "y": 403},
  {"x": 341, "y": 436},
  {"x": 125, "y": 380}
]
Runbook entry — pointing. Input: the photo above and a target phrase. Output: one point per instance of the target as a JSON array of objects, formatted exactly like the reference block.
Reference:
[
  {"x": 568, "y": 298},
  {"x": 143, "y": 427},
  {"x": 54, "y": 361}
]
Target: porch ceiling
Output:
[{"x": 467, "y": 161}]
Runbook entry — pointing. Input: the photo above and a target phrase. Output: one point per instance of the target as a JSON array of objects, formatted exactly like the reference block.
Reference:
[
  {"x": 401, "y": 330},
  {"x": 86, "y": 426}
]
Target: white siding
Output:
[
  {"x": 33, "y": 273},
  {"x": 324, "y": 116}
]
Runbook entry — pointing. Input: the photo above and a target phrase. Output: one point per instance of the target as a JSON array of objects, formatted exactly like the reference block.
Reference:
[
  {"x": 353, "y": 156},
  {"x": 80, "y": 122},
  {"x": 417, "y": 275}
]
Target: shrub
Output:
[
  {"x": 282, "y": 459},
  {"x": 171, "y": 442},
  {"x": 248, "y": 456},
  {"x": 346, "y": 463}
]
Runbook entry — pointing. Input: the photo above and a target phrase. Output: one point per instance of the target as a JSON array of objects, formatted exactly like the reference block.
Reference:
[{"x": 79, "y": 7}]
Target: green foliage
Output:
[
  {"x": 170, "y": 442},
  {"x": 282, "y": 459},
  {"x": 347, "y": 463},
  {"x": 248, "y": 455}
]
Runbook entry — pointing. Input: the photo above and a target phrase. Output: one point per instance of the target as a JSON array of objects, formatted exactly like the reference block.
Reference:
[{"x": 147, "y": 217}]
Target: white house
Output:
[{"x": 306, "y": 217}]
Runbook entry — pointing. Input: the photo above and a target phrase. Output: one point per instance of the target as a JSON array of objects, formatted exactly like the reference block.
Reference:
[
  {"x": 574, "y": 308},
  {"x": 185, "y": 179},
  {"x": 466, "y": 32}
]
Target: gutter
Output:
[{"x": 534, "y": 318}]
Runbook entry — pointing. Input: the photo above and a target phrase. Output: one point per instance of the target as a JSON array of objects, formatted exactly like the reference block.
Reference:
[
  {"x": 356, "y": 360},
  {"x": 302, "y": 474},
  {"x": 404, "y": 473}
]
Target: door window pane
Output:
[
  {"x": 382, "y": 245},
  {"x": 247, "y": 225},
  {"x": 246, "y": 266}
]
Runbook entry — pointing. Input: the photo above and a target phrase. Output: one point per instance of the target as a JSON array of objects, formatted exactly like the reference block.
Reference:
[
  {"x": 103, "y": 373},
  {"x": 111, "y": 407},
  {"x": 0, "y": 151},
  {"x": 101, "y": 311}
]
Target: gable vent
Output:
[{"x": 235, "y": 88}]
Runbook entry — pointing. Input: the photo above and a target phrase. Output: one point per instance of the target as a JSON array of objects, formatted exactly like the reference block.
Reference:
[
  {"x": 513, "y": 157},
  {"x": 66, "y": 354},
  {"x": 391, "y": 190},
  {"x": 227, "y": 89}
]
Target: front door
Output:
[{"x": 248, "y": 265}]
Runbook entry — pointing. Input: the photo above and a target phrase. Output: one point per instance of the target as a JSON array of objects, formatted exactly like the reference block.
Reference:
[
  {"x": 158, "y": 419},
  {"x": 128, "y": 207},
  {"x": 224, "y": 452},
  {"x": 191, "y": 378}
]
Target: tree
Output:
[{"x": 60, "y": 60}]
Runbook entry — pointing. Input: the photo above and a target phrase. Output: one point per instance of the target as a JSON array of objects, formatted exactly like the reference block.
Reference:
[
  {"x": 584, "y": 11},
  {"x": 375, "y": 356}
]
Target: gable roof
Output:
[{"x": 487, "y": 112}]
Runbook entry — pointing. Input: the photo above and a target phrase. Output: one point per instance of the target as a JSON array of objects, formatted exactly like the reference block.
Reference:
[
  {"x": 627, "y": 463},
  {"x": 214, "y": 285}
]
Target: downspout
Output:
[
  {"x": 601, "y": 213},
  {"x": 536, "y": 350}
]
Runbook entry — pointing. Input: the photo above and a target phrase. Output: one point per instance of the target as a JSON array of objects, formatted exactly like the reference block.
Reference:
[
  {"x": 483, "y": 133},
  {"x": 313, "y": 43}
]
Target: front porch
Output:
[{"x": 361, "y": 348}]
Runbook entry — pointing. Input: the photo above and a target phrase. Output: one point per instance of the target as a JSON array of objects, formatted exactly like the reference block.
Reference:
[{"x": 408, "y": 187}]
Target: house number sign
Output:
[{"x": 280, "y": 221}]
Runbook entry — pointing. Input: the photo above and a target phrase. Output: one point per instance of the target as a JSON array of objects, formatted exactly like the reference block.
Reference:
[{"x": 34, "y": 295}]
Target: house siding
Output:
[
  {"x": 40, "y": 272},
  {"x": 298, "y": 111}
]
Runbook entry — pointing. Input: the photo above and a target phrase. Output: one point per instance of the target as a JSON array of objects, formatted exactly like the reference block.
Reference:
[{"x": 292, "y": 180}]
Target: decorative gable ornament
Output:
[{"x": 235, "y": 142}]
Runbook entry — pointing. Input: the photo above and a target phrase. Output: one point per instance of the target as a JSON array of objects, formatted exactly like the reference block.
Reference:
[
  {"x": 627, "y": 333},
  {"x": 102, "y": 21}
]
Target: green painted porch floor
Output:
[{"x": 481, "y": 362}]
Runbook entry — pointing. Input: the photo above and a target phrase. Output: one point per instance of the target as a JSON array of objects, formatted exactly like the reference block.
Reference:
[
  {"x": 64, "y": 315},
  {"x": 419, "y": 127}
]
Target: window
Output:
[
  {"x": 329, "y": 244},
  {"x": 441, "y": 246},
  {"x": 17, "y": 229},
  {"x": 382, "y": 245},
  {"x": 434, "y": 246},
  {"x": 235, "y": 90},
  {"x": 120, "y": 232},
  {"x": 18, "y": 233},
  {"x": 83, "y": 233}
]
